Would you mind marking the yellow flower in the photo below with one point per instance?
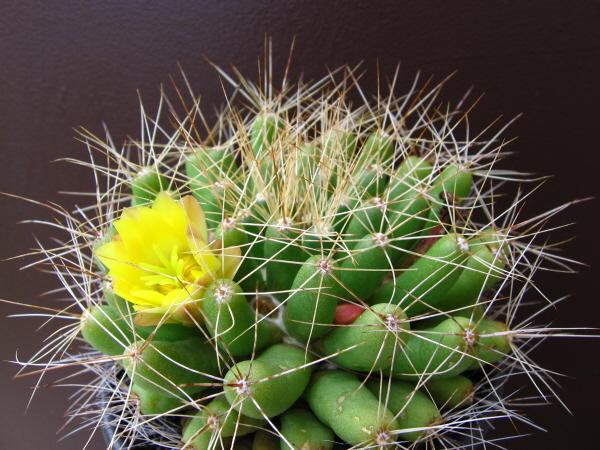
(160, 259)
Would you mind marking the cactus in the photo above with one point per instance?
(213, 422)
(354, 413)
(270, 384)
(413, 408)
(448, 393)
(302, 430)
(308, 273)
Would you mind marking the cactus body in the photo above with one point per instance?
(270, 384)
(483, 269)
(423, 285)
(176, 368)
(352, 411)
(301, 232)
(232, 322)
(264, 440)
(216, 421)
(441, 351)
(303, 431)
(146, 185)
(494, 341)
(370, 341)
(156, 402)
(449, 393)
(367, 266)
(413, 407)
(310, 307)
(106, 329)
(283, 255)
(210, 173)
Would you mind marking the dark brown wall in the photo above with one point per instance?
(70, 63)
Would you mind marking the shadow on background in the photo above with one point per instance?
(78, 63)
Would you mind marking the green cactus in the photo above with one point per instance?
(422, 287)
(387, 246)
(211, 174)
(413, 408)
(321, 275)
(107, 329)
(370, 342)
(182, 367)
(310, 307)
(354, 413)
(146, 184)
(301, 429)
(153, 401)
(232, 322)
(449, 393)
(269, 384)
(216, 421)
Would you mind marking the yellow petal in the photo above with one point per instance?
(230, 261)
(174, 297)
(108, 253)
(195, 218)
(147, 297)
(204, 256)
(150, 317)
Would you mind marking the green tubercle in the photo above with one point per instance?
(107, 329)
(303, 431)
(310, 306)
(269, 384)
(413, 408)
(353, 412)
(370, 342)
(146, 185)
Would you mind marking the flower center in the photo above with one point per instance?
(172, 272)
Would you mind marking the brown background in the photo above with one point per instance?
(70, 63)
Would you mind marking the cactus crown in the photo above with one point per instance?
(318, 267)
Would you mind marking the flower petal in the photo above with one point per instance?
(230, 261)
(195, 217)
